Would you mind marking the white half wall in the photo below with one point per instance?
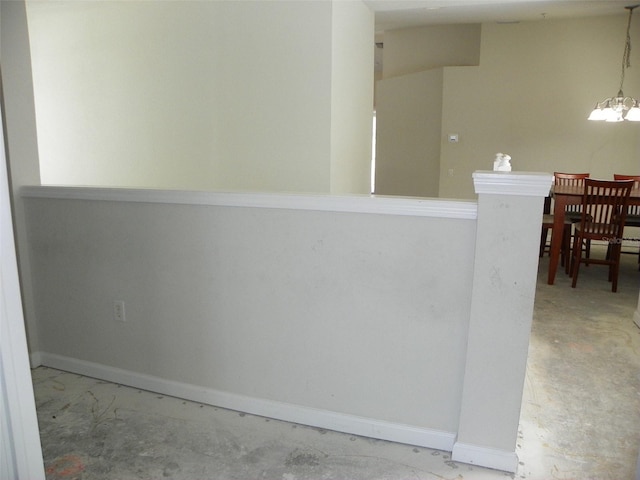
(349, 312)
(367, 315)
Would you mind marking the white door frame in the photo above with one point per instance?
(20, 449)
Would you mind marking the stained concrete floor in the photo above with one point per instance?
(580, 413)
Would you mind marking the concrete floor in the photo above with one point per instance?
(580, 413)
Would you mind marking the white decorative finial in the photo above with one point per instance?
(502, 163)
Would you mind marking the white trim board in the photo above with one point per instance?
(485, 457)
(413, 206)
(340, 422)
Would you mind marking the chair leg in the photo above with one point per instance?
(566, 245)
(615, 253)
(543, 240)
(575, 264)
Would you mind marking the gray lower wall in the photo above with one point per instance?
(355, 313)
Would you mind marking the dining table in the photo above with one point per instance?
(564, 195)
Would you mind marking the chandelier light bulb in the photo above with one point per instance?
(633, 115)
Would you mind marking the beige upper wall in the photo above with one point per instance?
(194, 95)
(352, 97)
(409, 104)
(530, 97)
(413, 50)
(409, 114)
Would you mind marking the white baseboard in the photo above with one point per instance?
(485, 457)
(314, 417)
(35, 359)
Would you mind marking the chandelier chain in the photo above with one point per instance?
(626, 56)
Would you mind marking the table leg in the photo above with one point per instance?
(560, 203)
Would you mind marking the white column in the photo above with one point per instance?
(507, 240)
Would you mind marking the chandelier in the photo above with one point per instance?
(619, 108)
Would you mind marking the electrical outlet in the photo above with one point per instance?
(118, 311)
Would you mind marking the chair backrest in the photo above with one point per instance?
(633, 209)
(573, 179)
(604, 206)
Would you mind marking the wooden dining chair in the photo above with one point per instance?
(573, 212)
(565, 246)
(633, 212)
(572, 215)
(575, 180)
(604, 210)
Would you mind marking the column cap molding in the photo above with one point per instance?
(536, 184)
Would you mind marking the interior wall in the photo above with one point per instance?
(408, 116)
(530, 97)
(412, 50)
(409, 104)
(351, 97)
(189, 95)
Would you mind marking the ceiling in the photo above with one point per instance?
(393, 14)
